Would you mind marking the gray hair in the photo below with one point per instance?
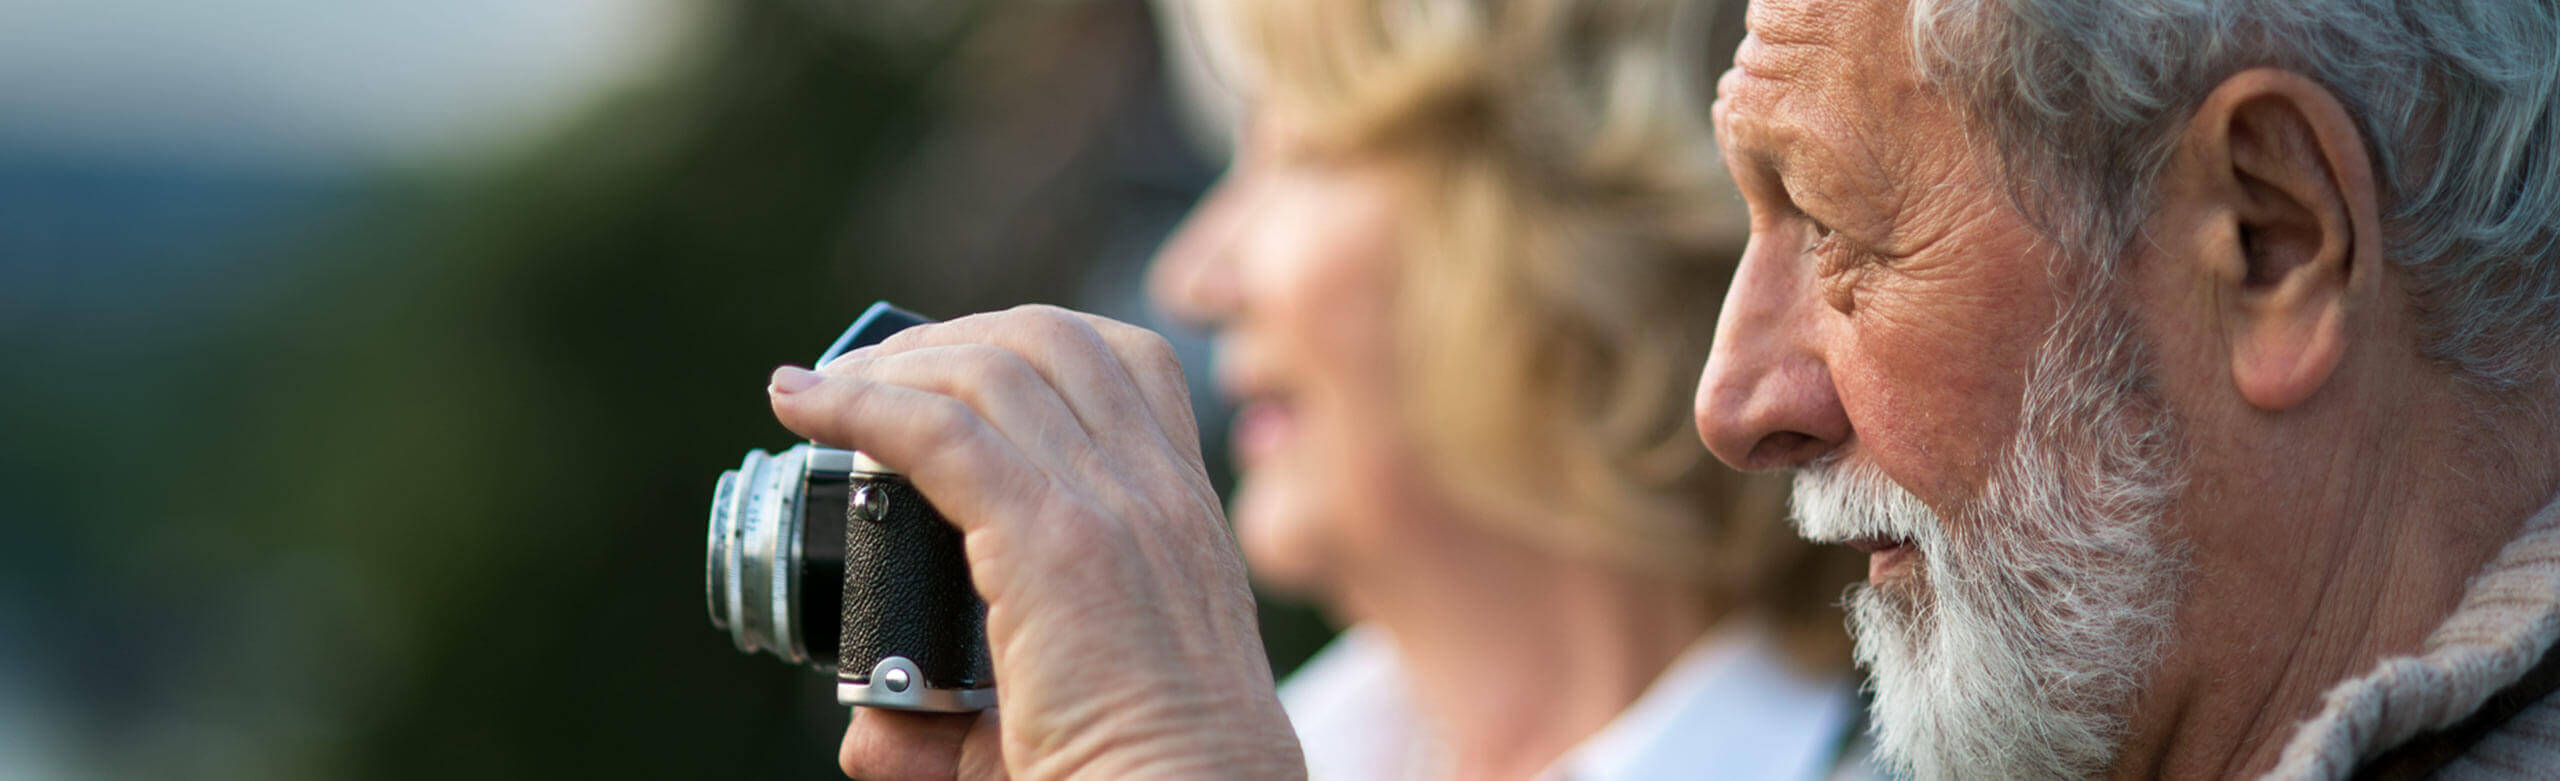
(2458, 100)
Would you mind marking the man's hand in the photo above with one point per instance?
(1062, 445)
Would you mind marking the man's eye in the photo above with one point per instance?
(1831, 253)
(1827, 244)
(1822, 237)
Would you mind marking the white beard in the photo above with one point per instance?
(2015, 647)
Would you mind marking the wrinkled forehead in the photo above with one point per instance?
(1794, 39)
(1818, 62)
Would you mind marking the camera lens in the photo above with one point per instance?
(773, 565)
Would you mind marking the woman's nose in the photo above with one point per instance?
(1766, 399)
(1193, 278)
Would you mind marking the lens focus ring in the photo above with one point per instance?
(753, 546)
(715, 566)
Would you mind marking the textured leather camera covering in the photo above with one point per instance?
(907, 593)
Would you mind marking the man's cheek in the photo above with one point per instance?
(1926, 418)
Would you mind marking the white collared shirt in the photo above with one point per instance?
(1729, 707)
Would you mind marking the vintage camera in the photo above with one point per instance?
(831, 560)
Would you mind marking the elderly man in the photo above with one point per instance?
(2185, 367)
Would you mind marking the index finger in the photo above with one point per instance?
(954, 456)
(1140, 377)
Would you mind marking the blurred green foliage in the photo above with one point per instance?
(432, 506)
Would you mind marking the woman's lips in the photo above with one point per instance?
(1261, 428)
(1886, 556)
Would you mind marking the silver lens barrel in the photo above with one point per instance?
(753, 559)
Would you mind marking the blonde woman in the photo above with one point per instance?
(1462, 272)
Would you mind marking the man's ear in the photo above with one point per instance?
(2292, 191)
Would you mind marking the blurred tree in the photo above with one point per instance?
(587, 347)
(435, 509)
(432, 505)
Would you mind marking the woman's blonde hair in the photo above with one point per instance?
(1562, 272)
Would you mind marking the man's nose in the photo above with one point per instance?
(1193, 277)
(1766, 399)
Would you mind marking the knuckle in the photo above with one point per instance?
(1142, 346)
(1011, 366)
(1113, 331)
(1054, 327)
(1044, 312)
(982, 373)
(1152, 350)
(944, 421)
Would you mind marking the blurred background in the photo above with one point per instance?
(365, 368)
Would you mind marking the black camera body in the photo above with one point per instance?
(832, 560)
(913, 630)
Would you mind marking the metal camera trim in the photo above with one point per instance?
(862, 463)
(727, 554)
(782, 548)
(754, 556)
(885, 689)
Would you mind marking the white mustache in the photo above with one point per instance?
(1838, 501)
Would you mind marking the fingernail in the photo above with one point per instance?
(793, 379)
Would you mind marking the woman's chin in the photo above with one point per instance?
(1280, 549)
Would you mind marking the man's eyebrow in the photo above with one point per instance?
(1761, 148)
(1783, 161)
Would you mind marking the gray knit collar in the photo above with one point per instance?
(2510, 614)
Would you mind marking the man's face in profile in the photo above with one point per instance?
(1986, 428)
